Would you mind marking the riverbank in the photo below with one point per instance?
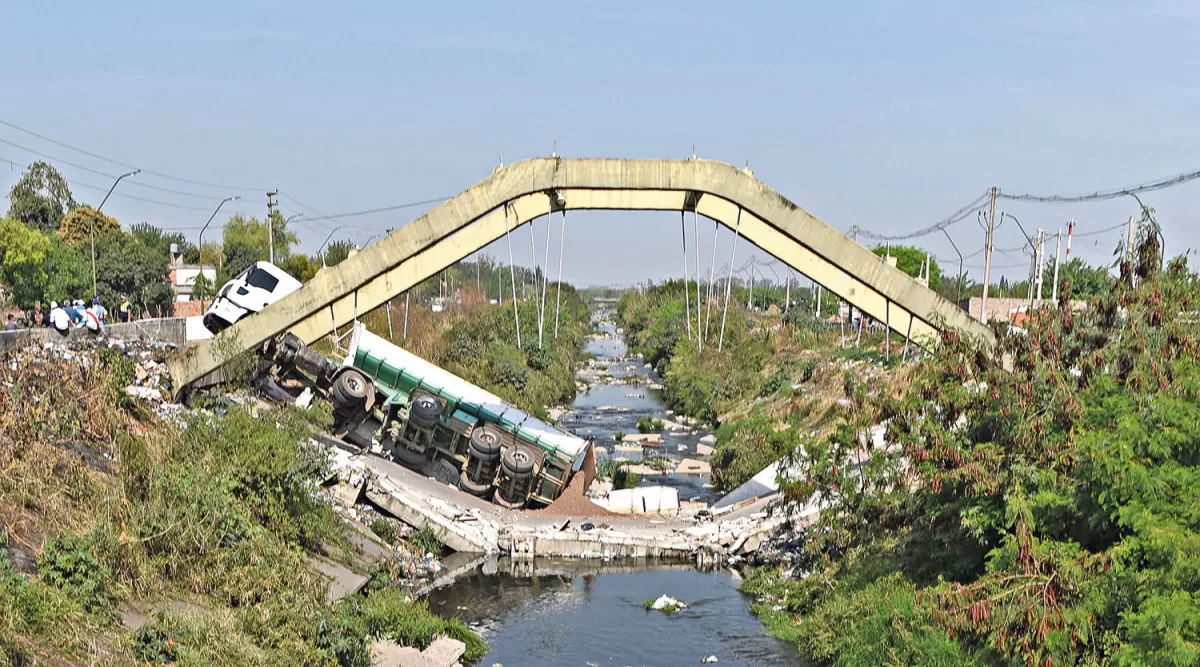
(140, 532)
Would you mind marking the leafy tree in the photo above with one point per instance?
(23, 268)
(203, 289)
(69, 270)
(246, 241)
(911, 260)
(337, 251)
(1083, 280)
(154, 237)
(40, 198)
(76, 227)
(300, 266)
(126, 265)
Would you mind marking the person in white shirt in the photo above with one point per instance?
(59, 318)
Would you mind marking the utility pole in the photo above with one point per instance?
(987, 264)
(271, 225)
(1040, 257)
(1057, 251)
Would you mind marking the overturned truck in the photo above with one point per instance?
(397, 405)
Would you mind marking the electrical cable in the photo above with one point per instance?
(954, 218)
(89, 186)
(124, 164)
(1161, 184)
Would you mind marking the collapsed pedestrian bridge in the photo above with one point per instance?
(518, 193)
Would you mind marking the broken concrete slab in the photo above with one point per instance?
(710, 440)
(342, 581)
(644, 438)
(704, 450)
(693, 468)
(445, 652)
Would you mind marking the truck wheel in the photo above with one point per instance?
(350, 388)
(472, 488)
(424, 411)
(519, 505)
(517, 462)
(409, 458)
(485, 443)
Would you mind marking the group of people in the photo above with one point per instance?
(70, 314)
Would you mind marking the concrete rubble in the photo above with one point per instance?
(443, 652)
(630, 523)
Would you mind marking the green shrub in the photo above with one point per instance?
(426, 541)
(384, 530)
(390, 615)
(623, 479)
(649, 424)
(774, 382)
(73, 564)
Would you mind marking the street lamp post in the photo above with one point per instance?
(200, 241)
(92, 226)
(335, 230)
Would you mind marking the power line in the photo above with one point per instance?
(956, 217)
(81, 184)
(1102, 231)
(1161, 184)
(382, 209)
(106, 174)
(124, 164)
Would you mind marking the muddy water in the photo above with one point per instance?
(590, 612)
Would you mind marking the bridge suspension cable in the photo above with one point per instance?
(687, 301)
(512, 272)
(729, 279)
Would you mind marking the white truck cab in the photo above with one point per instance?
(260, 285)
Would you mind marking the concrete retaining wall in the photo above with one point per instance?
(170, 330)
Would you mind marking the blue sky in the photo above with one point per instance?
(882, 114)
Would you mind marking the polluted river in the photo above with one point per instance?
(590, 611)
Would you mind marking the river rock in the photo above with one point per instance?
(704, 450)
(709, 440)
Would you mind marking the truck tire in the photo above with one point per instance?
(424, 411)
(408, 458)
(350, 388)
(472, 488)
(520, 505)
(485, 443)
(517, 462)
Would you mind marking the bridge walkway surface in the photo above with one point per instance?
(518, 193)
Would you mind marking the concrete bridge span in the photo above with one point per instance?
(518, 193)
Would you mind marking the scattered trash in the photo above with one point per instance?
(709, 660)
(665, 603)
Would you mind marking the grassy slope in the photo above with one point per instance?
(105, 508)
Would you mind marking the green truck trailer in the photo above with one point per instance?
(400, 406)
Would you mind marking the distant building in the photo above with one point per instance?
(183, 276)
(1009, 309)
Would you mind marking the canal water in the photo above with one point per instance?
(557, 613)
